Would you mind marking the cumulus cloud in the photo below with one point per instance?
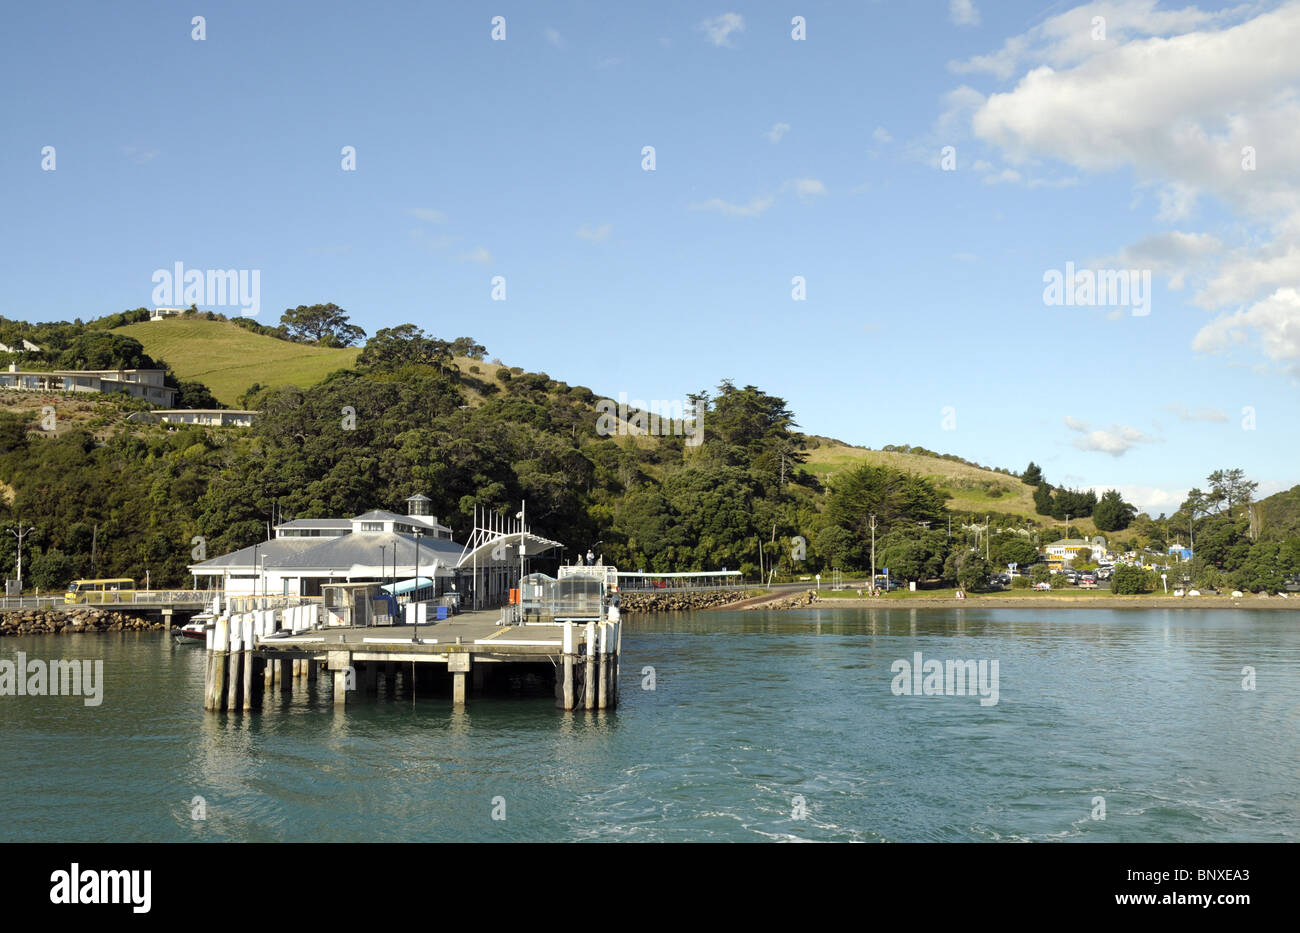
(776, 132)
(804, 188)
(1274, 324)
(807, 187)
(476, 255)
(1116, 440)
(554, 38)
(718, 29)
(1174, 255)
(881, 135)
(1150, 499)
(963, 13)
(757, 205)
(1200, 106)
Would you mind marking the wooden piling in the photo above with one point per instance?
(233, 663)
(247, 664)
(458, 689)
(602, 692)
(312, 668)
(285, 675)
(220, 650)
(589, 677)
(567, 700)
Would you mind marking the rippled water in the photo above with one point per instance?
(750, 712)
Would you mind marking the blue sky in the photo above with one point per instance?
(924, 321)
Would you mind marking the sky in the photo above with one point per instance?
(859, 208)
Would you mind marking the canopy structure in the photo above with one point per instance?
(403, 587)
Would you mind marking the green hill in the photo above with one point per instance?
(969, 488)
(228, 359)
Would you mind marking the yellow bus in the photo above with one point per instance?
(115, 590)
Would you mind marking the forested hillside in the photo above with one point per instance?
(414, 414)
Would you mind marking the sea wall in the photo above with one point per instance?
(58, 621)
(676, 602)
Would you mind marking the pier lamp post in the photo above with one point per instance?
(415, 616)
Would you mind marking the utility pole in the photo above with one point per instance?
(986, 537)
(20, 534)
(873, 553)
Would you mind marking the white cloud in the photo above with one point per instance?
(477, 255)
(1150, 499)
(594, 235)
(428, 214)
(776, 132)
(1116, 441)
(1182, 100)
(718, 29)
(757, 205)
(1274, 323)
(554, 38)
(1175, 254)
(881, 135)
(808, 187)
(963, 13)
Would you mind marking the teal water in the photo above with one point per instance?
(749, 712)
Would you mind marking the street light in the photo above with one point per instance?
(415, 614)
(20, 534)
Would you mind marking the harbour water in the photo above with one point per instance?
(760, 726)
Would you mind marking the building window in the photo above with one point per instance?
(372, 526)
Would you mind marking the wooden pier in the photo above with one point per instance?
(253, 652)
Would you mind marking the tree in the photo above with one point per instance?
(1012, 549)
(326, 324)
(1033, 474)
(195, 395)
(1229, 488)
(1040, 573)
(974, 572)
(1128, 580)
(1043, 504)
(468, 346)
(1112, 512)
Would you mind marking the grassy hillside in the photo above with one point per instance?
(969, 488)
(228, 359)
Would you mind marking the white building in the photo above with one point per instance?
(376, 546)
(162, 314)
(147, 384)
(1070, 548)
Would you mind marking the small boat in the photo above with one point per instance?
(195, 630)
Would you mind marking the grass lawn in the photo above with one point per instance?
(969, 488)
(228, 359)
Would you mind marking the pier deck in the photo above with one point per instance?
(247, 655)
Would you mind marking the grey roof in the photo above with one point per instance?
(318, 523)
(275, 551)
(419, 497)
(363, 550)
(380, 515)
